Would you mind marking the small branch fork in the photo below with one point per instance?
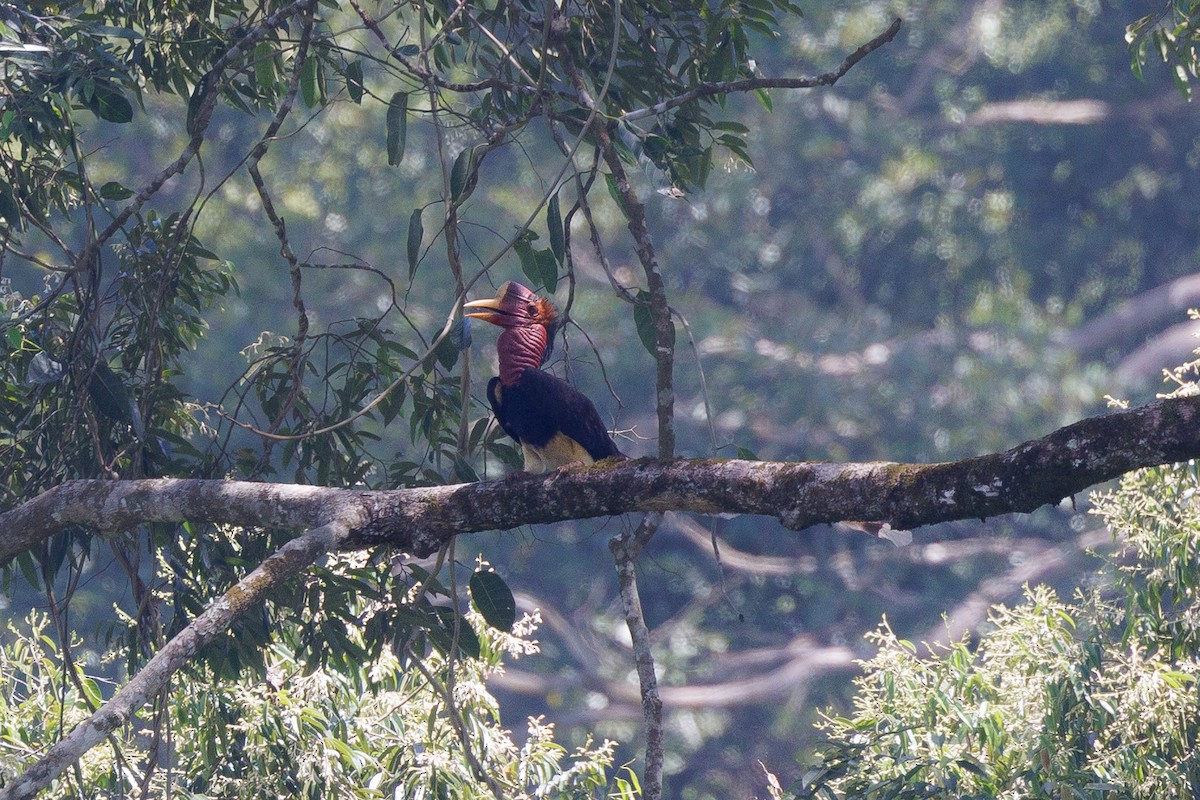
(626, 546)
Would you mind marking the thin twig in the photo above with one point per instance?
(285, 248)
(712, 88)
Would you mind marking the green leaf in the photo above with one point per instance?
(391, 404)
(443, 637)
(264, 66)
(110, 394)
(764, 99)
(29, 569)
(737, 146)
(554, 224)
(610, 181)
(354, 80)
(447, 352)
(643, 320)
(700, 166)
(460, 175)
(729, 125)
(194, 248)
(14, 337)
(110, 104)
(530, 265)
(1181, 81)
(416, 230)
(322, 92)
(463, 471)
(120, 33)
(460, 333)
(9, 209)
(493, 599)
(308, 81)
(92, 692)
(546, 266)
(115, 191)
(540, 266)
(397, 127)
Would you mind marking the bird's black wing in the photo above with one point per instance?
(495, 395)
(540, 406)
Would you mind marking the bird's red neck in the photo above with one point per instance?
(520, 349)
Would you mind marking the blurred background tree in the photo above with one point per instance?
(227, 221)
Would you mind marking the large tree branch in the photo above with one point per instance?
(1079, 111)
(799, 494)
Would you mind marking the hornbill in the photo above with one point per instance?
(554, 423)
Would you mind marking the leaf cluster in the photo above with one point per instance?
(1172, 34)
(1093, 698)
(374, 731)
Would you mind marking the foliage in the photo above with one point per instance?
(1092, 698)
(380, 730)
(1174, 34)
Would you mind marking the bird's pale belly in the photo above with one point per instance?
(558, 452)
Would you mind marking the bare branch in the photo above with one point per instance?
(285, 246)
(635, 216)
(625, 549)
(1139, 369)
(795, 666)
(1079, 111)
(1052, 563)
(1041, 112)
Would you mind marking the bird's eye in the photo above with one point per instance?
(531, 310)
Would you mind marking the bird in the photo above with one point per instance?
(554, 423)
